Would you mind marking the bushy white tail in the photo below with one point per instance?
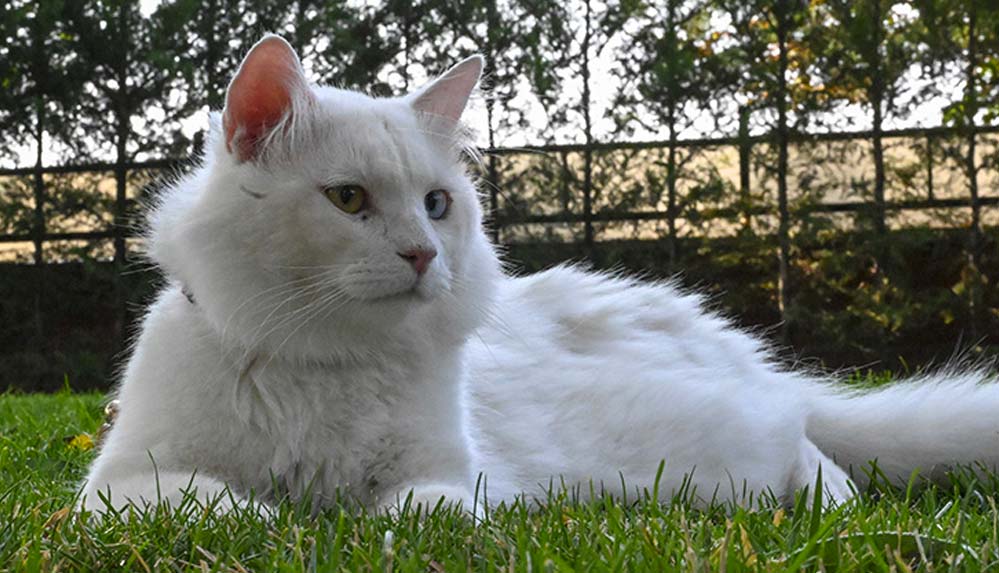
(926, 424)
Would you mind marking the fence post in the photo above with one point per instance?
(120, 254)
(38, 233)
(745, 148)
(929, 167)
(492, 173)
(671, 203)
(494, 199)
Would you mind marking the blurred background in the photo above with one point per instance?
(826, 170)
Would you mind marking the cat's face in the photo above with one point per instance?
(335, 215)
(381, 207)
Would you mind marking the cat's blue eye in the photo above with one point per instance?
(437, 203)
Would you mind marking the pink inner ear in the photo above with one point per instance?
(260, 95)
(448, 95)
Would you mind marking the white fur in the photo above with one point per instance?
(592, 378)
(315, 359)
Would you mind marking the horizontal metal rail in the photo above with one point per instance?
(598, 216)
(797, 137)
(840, 207)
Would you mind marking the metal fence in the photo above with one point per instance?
(519, 212)
(656, 191)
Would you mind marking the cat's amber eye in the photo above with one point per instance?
(437, 203)
(349, 198)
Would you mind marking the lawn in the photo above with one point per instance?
(928, 529)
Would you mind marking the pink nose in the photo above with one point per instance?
(419, 258)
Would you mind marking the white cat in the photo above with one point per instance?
(337, 320)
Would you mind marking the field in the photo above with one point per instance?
(919, 529)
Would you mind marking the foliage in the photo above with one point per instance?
(40, 76)
(106, 81)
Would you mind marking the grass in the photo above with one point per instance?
(932, 529)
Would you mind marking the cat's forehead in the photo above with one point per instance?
(383, 138)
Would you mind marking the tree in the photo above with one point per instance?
(585, 31)
(868, 50)
(675, 71)
(40, 80)
(777, 46)
(133, 69)
(964, 35)
(517, 39)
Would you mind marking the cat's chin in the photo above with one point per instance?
(412, 297)
(411, 294)
(417, 293)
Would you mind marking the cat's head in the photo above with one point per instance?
(327, 221)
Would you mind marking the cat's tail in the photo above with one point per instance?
(927, 424)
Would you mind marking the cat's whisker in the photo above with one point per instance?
(502, 193)
(328, 267)
(276, 320)
(259, 335)
(489, 312)
(314, 291)
(278, 291)
(316, 311)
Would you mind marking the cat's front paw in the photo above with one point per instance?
(427, 497)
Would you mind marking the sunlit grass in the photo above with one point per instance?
(932, 529)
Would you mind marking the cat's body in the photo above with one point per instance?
(338, 321)
(599, 378)
(593, 379)
(260, 421)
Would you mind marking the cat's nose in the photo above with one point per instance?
(419, 258)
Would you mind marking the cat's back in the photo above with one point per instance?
(583, 374)
(570, 313)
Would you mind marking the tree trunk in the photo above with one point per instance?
(671, 105)
(877, 96)
(40, 71)
(214, 95)
(975, 232)
(877, 145)
(784, 222)
(745, 148)
(492, 25)
(588, 133)
(121, 175)
(671, 199)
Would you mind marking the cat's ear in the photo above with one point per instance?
(261, 96)
(448, 95)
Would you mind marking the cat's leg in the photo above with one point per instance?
(836, 483)
(427, 460)
(431, 469)
(125, 476)
(427, 496)
(149, 489)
